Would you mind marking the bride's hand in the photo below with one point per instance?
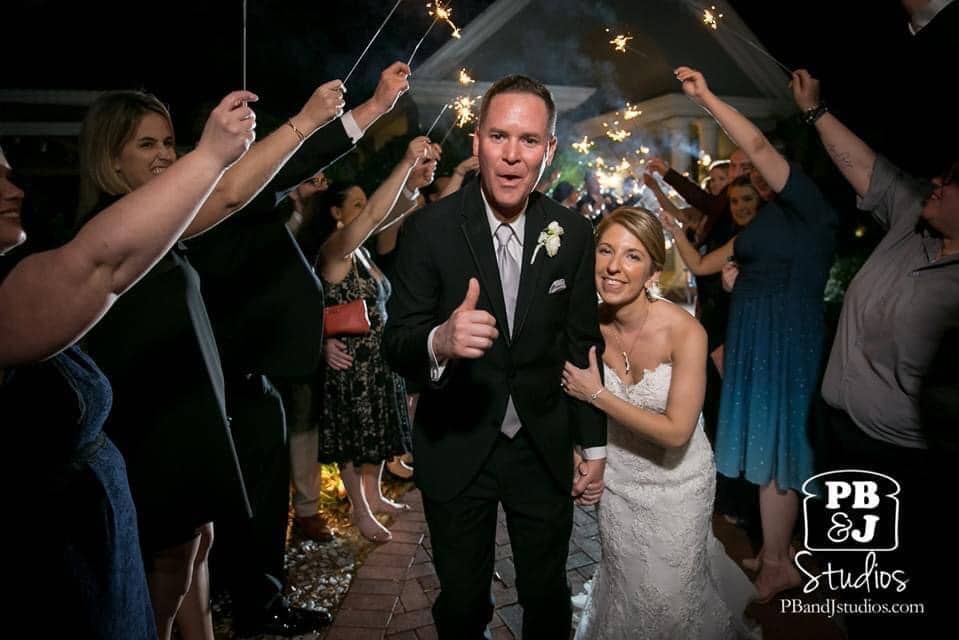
(582, 383)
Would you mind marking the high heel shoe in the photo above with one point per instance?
(371, 529)
(397, 468)
(388, 507)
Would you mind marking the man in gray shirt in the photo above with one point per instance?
(897, 314)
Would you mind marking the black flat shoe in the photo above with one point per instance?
(284, 620)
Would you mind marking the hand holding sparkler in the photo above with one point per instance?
(805, 90)
(694, 84)
(424, 170)
(394, 82)
(324, 105)
(657, 165)
(419, 148)
(464, 167)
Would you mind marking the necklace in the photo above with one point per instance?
(632, 346)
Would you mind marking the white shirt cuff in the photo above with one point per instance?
(436, 369)
(352, 129)
(594, 453)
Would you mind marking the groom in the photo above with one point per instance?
(492, 291)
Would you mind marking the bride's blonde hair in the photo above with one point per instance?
(645, 226)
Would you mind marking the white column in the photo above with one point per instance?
(680, 157)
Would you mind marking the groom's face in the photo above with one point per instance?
(514, 146)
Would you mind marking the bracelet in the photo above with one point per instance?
(593, 396)
(299, 134)
(811, 115)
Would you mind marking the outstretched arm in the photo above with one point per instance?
(853, 157)
(345, 241)
(700, 265)
(747, 136)
(52, 298)
(689, 215)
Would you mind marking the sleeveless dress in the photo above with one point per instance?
(774, 338)
(663, 575)
(84, 529)
(364, 419)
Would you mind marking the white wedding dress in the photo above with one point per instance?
(663, 574)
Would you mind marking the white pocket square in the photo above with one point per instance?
(557, 286)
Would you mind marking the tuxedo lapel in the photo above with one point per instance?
(479, 239)
(529, 280)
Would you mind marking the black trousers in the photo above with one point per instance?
(249, 552)
(926, 551)
(539, 517)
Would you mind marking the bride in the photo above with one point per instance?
(663, 574)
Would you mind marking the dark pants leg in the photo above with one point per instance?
(923, 553)
(539, 516)
(249, 552)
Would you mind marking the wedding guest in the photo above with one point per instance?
(364, 418)
(158, 343)
(773, 339)
(54, 399)
(898, 314)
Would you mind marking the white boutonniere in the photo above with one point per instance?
(549, 238)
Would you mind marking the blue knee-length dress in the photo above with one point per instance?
(774, 337)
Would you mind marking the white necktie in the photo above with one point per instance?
(509, 272)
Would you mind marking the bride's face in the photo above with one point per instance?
(623, 266)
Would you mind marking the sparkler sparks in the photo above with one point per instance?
(584, 145)
(465, 79)
(444, 13)
(711, 17)
(620, 42)
(631, 112)
(463, 107)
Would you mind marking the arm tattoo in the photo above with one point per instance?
(842, 158)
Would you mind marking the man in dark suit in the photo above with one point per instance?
(493, 292)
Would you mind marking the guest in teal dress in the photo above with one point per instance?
(774, 336)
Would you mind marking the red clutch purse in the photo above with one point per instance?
(348, 319)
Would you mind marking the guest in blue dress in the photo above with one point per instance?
(774, 336)
(53, 399)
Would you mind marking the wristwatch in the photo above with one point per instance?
(810, 116)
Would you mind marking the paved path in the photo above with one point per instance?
(392, 592)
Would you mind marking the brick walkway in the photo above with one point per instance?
(392, 592)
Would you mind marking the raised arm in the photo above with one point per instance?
(422, 174)
(248, 176)
(708, 204)
(689, 215)
(853, 157)
(338, 247)
(459, 174)
(52, 298)
(700, 265)
(747, 136)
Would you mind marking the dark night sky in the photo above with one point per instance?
(189, 53)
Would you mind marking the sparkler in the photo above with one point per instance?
(712, 18)
(244, 45)
(616, 135)
(438, 116)
(465, 79)
(370, 43)
(443, 12)
(621, 43)
(631, 112)
(463, 106)
(417, 47)
(584, 145)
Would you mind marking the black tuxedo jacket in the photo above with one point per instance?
(264, 300)
(458, 419)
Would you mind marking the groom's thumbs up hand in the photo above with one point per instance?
(468, 333)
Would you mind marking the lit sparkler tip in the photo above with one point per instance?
(464, 78)
(711, 17)
(583, 146)
(631, 112)
(620, 42)
(617, 135)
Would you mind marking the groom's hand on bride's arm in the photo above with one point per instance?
(467, 333)
(588, 481)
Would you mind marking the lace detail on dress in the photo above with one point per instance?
(663, 574)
